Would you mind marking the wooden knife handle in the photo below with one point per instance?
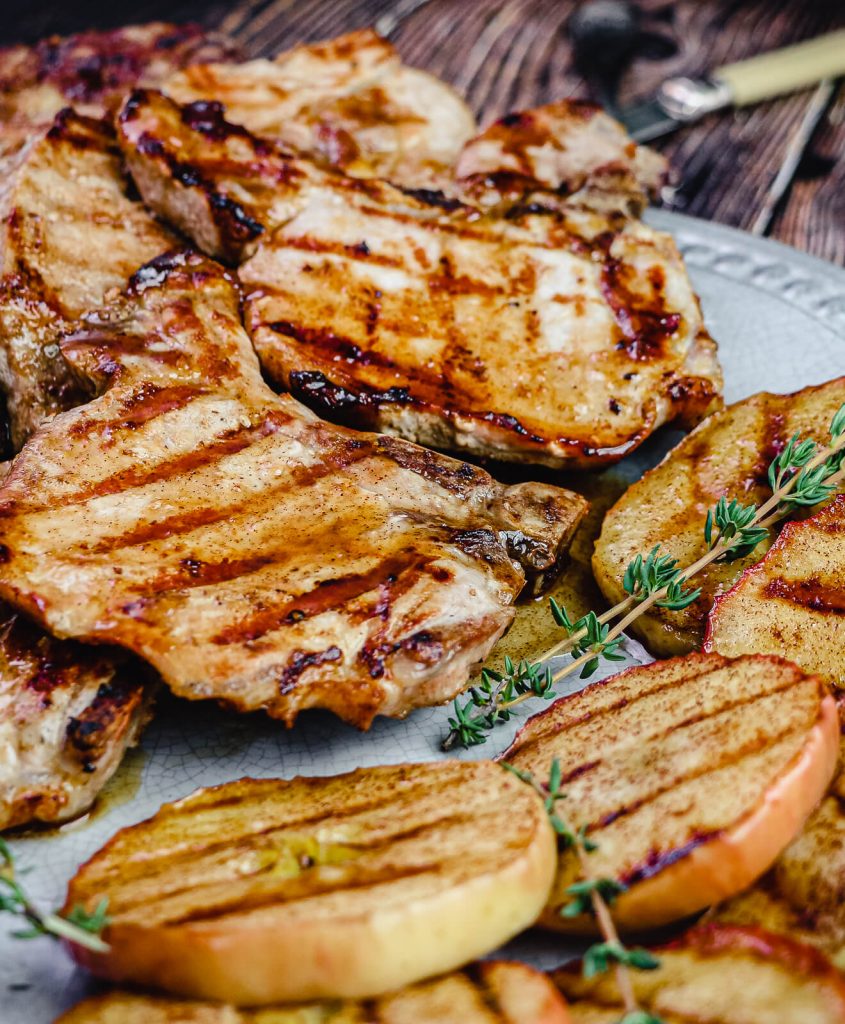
(787, 70)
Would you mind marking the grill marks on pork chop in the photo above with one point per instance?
(69, 232)
(566, 336)
(249, 551)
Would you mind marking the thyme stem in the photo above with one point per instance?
(740, 534)
(79, 927)
(552, 795)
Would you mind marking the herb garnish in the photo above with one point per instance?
(78, 926)
(802, 475)
(594, 896)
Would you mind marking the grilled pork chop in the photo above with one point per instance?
(349, 103)
(727, 455)
(562, 338)
(93, 71)
(67, 714)
(791, 603)
(70, 237)
(571, 149)
(251, 552)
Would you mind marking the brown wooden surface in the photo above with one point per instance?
(506, 54)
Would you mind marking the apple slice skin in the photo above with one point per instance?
(721, 974)
(702, 866)
(792, 602)
(418, 869)
(491, 992)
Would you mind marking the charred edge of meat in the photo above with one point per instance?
(526, 118)
(233, 220)
(434, 197)
(341, 404)
(530, 553)
(82, 132)
(505, 421)
(89, 734)
(450, 474)
(155, 273)
(481, 544)
(207, 118)
(303, 660)
(424, 647)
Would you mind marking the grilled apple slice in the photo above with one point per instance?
(726, 455)
(802, 895)
(364, 882)
(793, 602)
(495, 992)
(691, 775)
(719, 974)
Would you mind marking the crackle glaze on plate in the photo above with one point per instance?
(779, 318)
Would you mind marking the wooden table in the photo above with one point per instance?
(507, 54)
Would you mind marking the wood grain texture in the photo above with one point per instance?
(506, 54)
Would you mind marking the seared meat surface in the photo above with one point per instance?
(562, 336)
(69, 237)
(249, 551)
(93, 71)
(570, 151)
(67, 714)
(726, 456)
(349, 103)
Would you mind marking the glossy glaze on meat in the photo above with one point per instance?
(555, 335)
(251, 552)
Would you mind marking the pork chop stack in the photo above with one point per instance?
(70, 235)
(557, 334)
(495, 294)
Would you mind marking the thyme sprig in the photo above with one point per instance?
(78, 926)
(801, 475)
(594, 895)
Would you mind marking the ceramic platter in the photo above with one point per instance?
(779, 318)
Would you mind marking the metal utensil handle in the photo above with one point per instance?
(795, 67)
